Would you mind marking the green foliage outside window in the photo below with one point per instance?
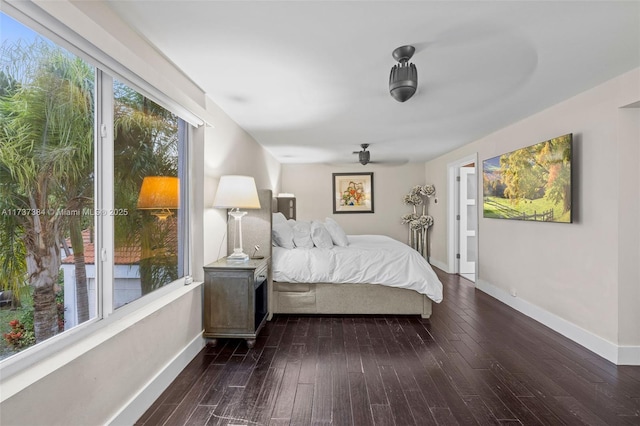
(46, 168)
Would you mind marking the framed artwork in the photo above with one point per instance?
(353, 192)
(531, 183)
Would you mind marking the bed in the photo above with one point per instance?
(373, 275)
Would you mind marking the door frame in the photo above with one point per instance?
(453, 209)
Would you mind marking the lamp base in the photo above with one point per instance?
(238, 257)
(238, 254)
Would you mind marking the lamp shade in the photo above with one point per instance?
(237, 192)
(159, 192)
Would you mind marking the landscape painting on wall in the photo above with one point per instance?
(532, 183)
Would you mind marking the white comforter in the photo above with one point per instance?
(373, 259)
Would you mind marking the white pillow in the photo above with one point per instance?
(279, 218)
(302, 235)
(282, 235)
(320, 236)
(338, 236)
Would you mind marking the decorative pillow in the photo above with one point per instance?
(302, 235)
(279, 218)
(338, 236)
(282, 235)
(320, 236)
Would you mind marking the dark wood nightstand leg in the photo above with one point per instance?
(251, 343)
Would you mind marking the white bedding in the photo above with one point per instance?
(373, 259)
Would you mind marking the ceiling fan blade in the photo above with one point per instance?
(392, 163)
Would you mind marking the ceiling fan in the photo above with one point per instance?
(364, 156)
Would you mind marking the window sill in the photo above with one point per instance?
(27, 367)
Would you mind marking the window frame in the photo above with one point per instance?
(81, 335)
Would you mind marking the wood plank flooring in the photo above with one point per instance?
(475, 361)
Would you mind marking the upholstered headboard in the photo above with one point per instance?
(256, 227)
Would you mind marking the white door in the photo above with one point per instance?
(468, 222)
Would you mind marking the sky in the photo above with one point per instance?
(12, 32)
(11, 29)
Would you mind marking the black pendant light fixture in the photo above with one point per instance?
(403, 80)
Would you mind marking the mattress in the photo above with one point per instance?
(371, 259)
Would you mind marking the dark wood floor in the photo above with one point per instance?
(476, 361)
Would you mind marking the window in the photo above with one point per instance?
(65, 216)
(147, 208)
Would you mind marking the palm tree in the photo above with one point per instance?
(46, 156)
(13, 256)
(46, 168)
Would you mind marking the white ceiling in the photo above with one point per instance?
(309, 79)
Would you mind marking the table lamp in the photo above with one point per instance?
(235, 193)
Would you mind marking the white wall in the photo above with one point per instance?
(583, 273)
(114, 374)
(312, 186)
(228, 149)
(629, 226)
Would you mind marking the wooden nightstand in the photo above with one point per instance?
(235, 299)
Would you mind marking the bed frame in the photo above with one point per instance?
(323, 298)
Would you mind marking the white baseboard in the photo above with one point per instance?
(620, 355)
(628, 355)
(147, 396)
